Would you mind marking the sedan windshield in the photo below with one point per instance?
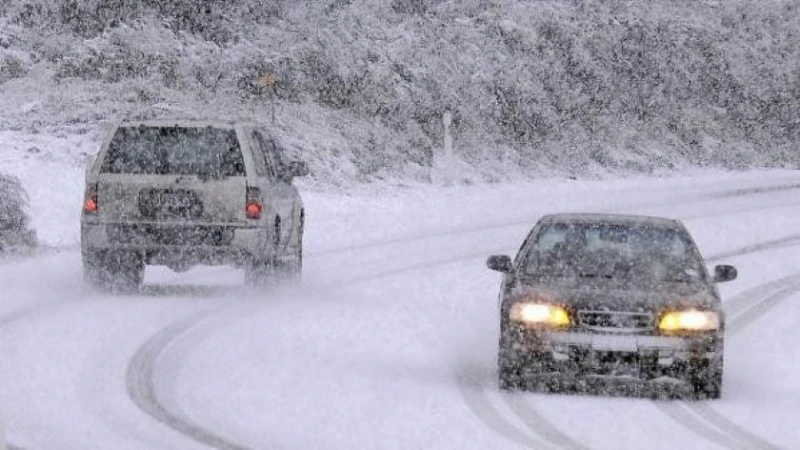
(631, 252)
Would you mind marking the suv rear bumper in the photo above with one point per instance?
(170, 244)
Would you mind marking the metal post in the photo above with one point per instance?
(447, 119)
(269, 81)
(274, 92)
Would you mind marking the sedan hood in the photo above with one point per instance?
(614, 295)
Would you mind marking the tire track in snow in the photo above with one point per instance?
(140, 372)
(739, 434)
(682, 416)
(5, 445)
(530, 416)
(480, 405)
(32, 311)
(714, 426)
(8, 319)
(140, 384)
(44, 250)
(538, 423)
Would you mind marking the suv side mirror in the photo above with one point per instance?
(724, 273)
(500, 263)
(294, 169)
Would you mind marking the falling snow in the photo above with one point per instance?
(425, 136)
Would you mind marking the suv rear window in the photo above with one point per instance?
(205, 152)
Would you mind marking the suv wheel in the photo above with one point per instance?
(291, 270)
(258, 273)
(288, 271)
(115, 271)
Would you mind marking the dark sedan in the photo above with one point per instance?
(599, 300)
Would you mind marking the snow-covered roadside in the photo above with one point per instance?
(359, 360)
(50, 168)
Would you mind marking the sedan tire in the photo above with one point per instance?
(706, 380)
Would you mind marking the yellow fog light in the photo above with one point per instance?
(689, 320)
(539, 313)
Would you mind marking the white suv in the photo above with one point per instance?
(182, 194)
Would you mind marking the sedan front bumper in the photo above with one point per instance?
(578, 355)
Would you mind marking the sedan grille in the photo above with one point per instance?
(615, 321)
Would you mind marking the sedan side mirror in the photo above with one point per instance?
(724, 273)
(500, 263)
(294, 169)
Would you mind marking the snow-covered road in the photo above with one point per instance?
(391, 341)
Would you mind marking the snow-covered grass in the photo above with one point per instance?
(51, 170)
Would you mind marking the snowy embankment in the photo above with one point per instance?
(360, 88)
(50, 169)
(391, 341)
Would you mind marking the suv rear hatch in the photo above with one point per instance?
(172, 175)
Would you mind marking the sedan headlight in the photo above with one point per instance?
(540, 313)
(690, 320)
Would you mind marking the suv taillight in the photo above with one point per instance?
(90, 199)
(253, 206)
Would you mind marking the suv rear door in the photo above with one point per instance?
(278, 191)
(173, 174)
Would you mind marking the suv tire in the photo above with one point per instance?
(258, 273)
(291, 271)
(120, 271)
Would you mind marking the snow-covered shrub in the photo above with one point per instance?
(586, 84)
(14, 63)
(15, 228)
(11, 67)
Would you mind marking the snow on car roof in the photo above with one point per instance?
(186, 123)
(622, 219)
